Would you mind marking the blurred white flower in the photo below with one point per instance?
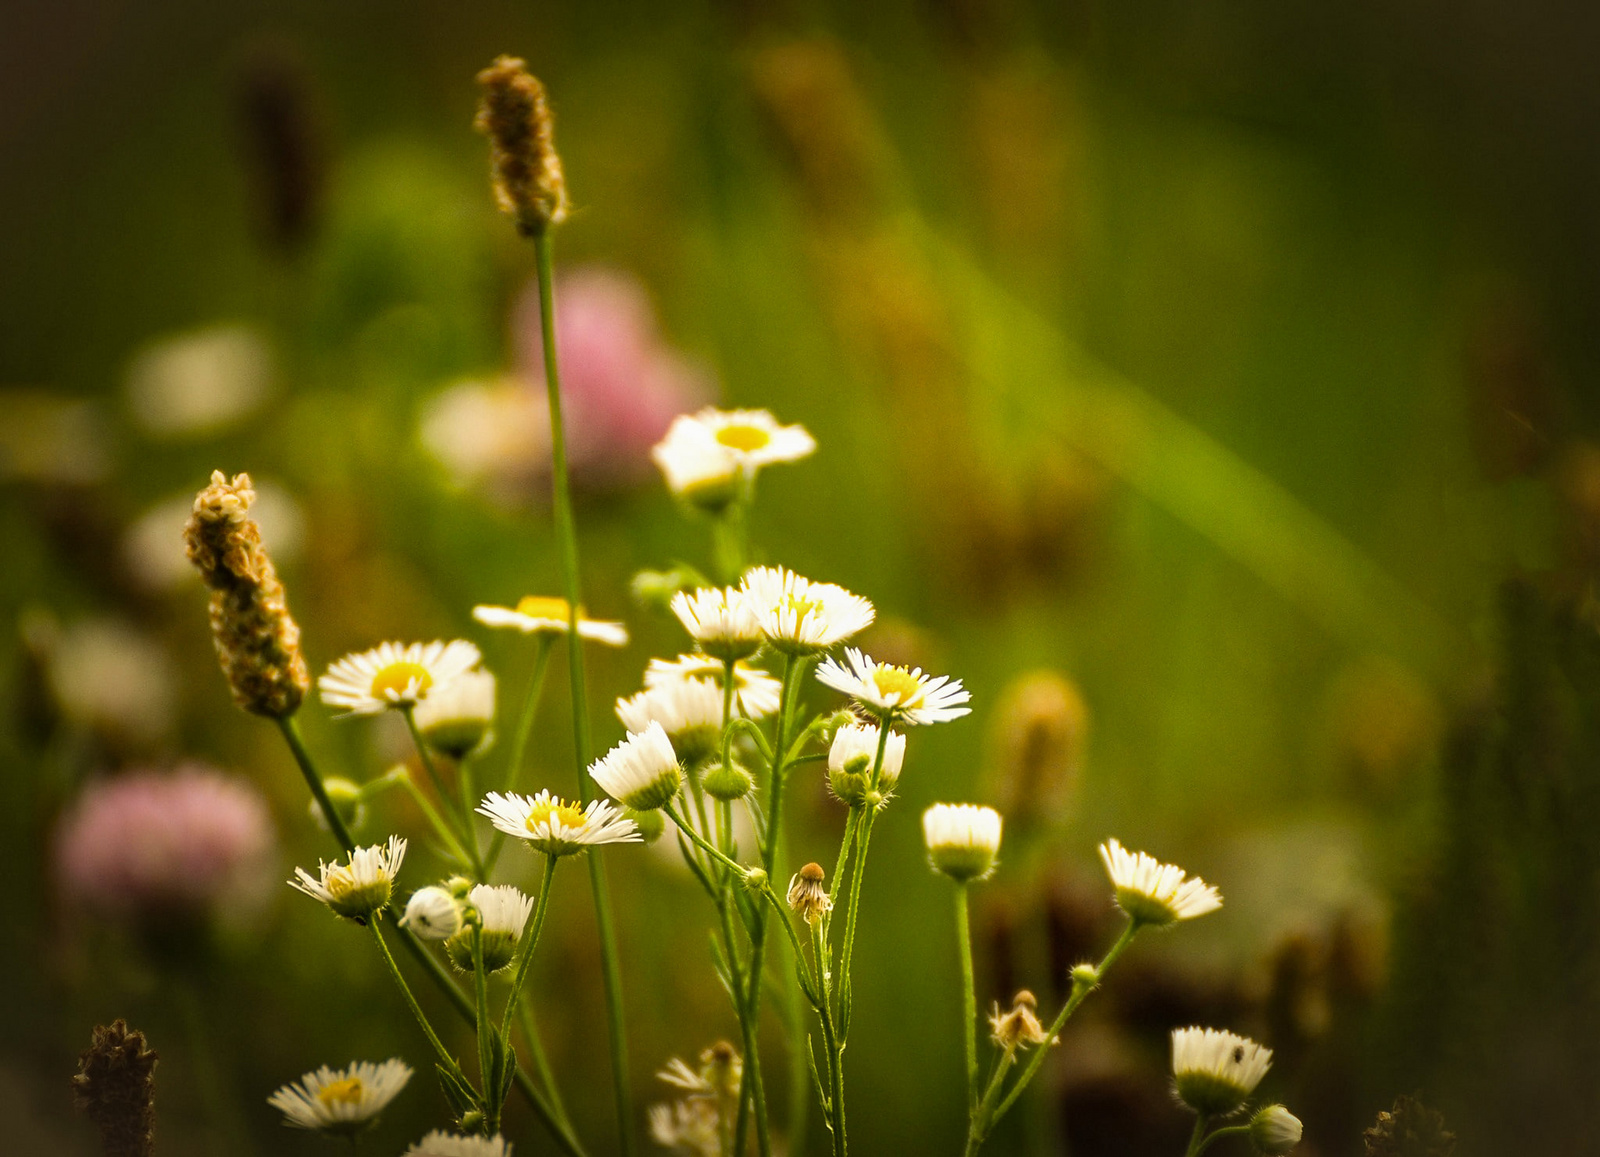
(341, 1101)
(108, 675)
(200, 382)
(45, 437)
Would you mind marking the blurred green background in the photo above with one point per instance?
(1232, 361)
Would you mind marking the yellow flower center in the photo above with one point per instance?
(745, 438)
(347, 1091)
(564, 813)
(400, 678)
(803, 606)
(340, 883)
(544, 607)
(897, 684)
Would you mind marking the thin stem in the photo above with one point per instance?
(700, 842)
(519, 742)
(1197, 1138)
(445, 1057)
(463, 817)
(752, 1090)
(1214, 1135)
(830, 1043)
(541, 1062)
(485, 1059)
(969, 1000)
(435, 820)
(525, 947)
(567, 534)
(302, 757)
(978, 1128)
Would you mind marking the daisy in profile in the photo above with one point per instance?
(441, 1144)
(457, 719)
(755, 693)
(341, 1101)
(722, 620)
(642, 771)
(1214, 1071)
(502, 914)
(359, 889)
(851, 757)
(555, 827)
(689, 711)
(963, 839)
(895, 694)
(546, 615)
(395, 675)
(1155, 893)
(705, 456)
(801, 617)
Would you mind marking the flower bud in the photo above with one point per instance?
(755, 879)
(1274, 1130)
(963, 839)
(727, 781)
(650, 823)
(347, 799)
(432, 914)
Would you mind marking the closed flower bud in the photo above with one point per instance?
(727, 781)
(755, 879)
(963, 839)
(1274, 1130)
(650, 823)
(852, 756)
(456, 718)
(497, 916)
(432, 914)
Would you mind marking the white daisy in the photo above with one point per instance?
(555, 827)
(898, 694)
(542, 614)
(704, 456)
(1215, 1071)
(341, 1100)
(963, 839)
(395, 675)
(850, 760)
(755, 692)
(1155, 893)
(432, 913)
(1275, 1131)
(457, 717)
(441, 1144)
(503, 912)
(643, 770)
(722, 620)
(360, 889)
(689, 711)
(800, 617)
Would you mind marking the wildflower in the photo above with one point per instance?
(456, 719)
(441, 1144)
(1274, 1130)
(1215, 1071)
(432, 913)
(755, 693)
(555, 827)
(706, 455)
(691, 1127)
(515, 115)
(963, 839)
(895, 694)
(1155, 893)
(642, 771)
(257, 641)
(547, 615)
(502, 914)
(1018, 1026)
(727, 781)
(115, 1088)
(851, 757)
(689, 711)
(395, 675)
(807, 896)
(360, 889)
(722, 620)
(157, 848)
(800, 617)
(341, 1101)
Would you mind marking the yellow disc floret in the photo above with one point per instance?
(744, 437)
(348, 1091)
(400, 679)
(897, 685)
(544, 607)
(566, 814)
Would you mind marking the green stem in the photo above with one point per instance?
(446, 797)
(480, 985)
(525, 947)
(969, 1005)
(445, 1057)
(541, 1062)
(435, 820)
(302, 757)
(519, 742)
(978, 1126)
(567, 534)
(752, 1090)
(831, 1047)
(1197, 1138)
(702, 843)
(1226, 1131)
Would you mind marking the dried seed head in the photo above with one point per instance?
(257, 641)
(807, 896)
(526, 170)
(115, 1088)
(1017, 1026)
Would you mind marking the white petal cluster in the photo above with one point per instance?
(689, 711)
(441, 1144)
(395, 675)
(902, 694)
(643, 770)
(432, 913)
(362, 887)
(802, 617)
(1155, 893)
(548, 615)
(1216, 1070)
(555, 827)
(341, 1100)
(722, 620)
(755, 693)
(851, 756)
(456, 717)
(502, 907)
(963, 839)
(704, 455)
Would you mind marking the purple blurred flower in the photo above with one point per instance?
(162, 847)
(621, 384)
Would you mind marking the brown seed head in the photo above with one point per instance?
(115, 1088)
(807, 896)
(257, 641)
(514, 114)
(1017, 1026)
